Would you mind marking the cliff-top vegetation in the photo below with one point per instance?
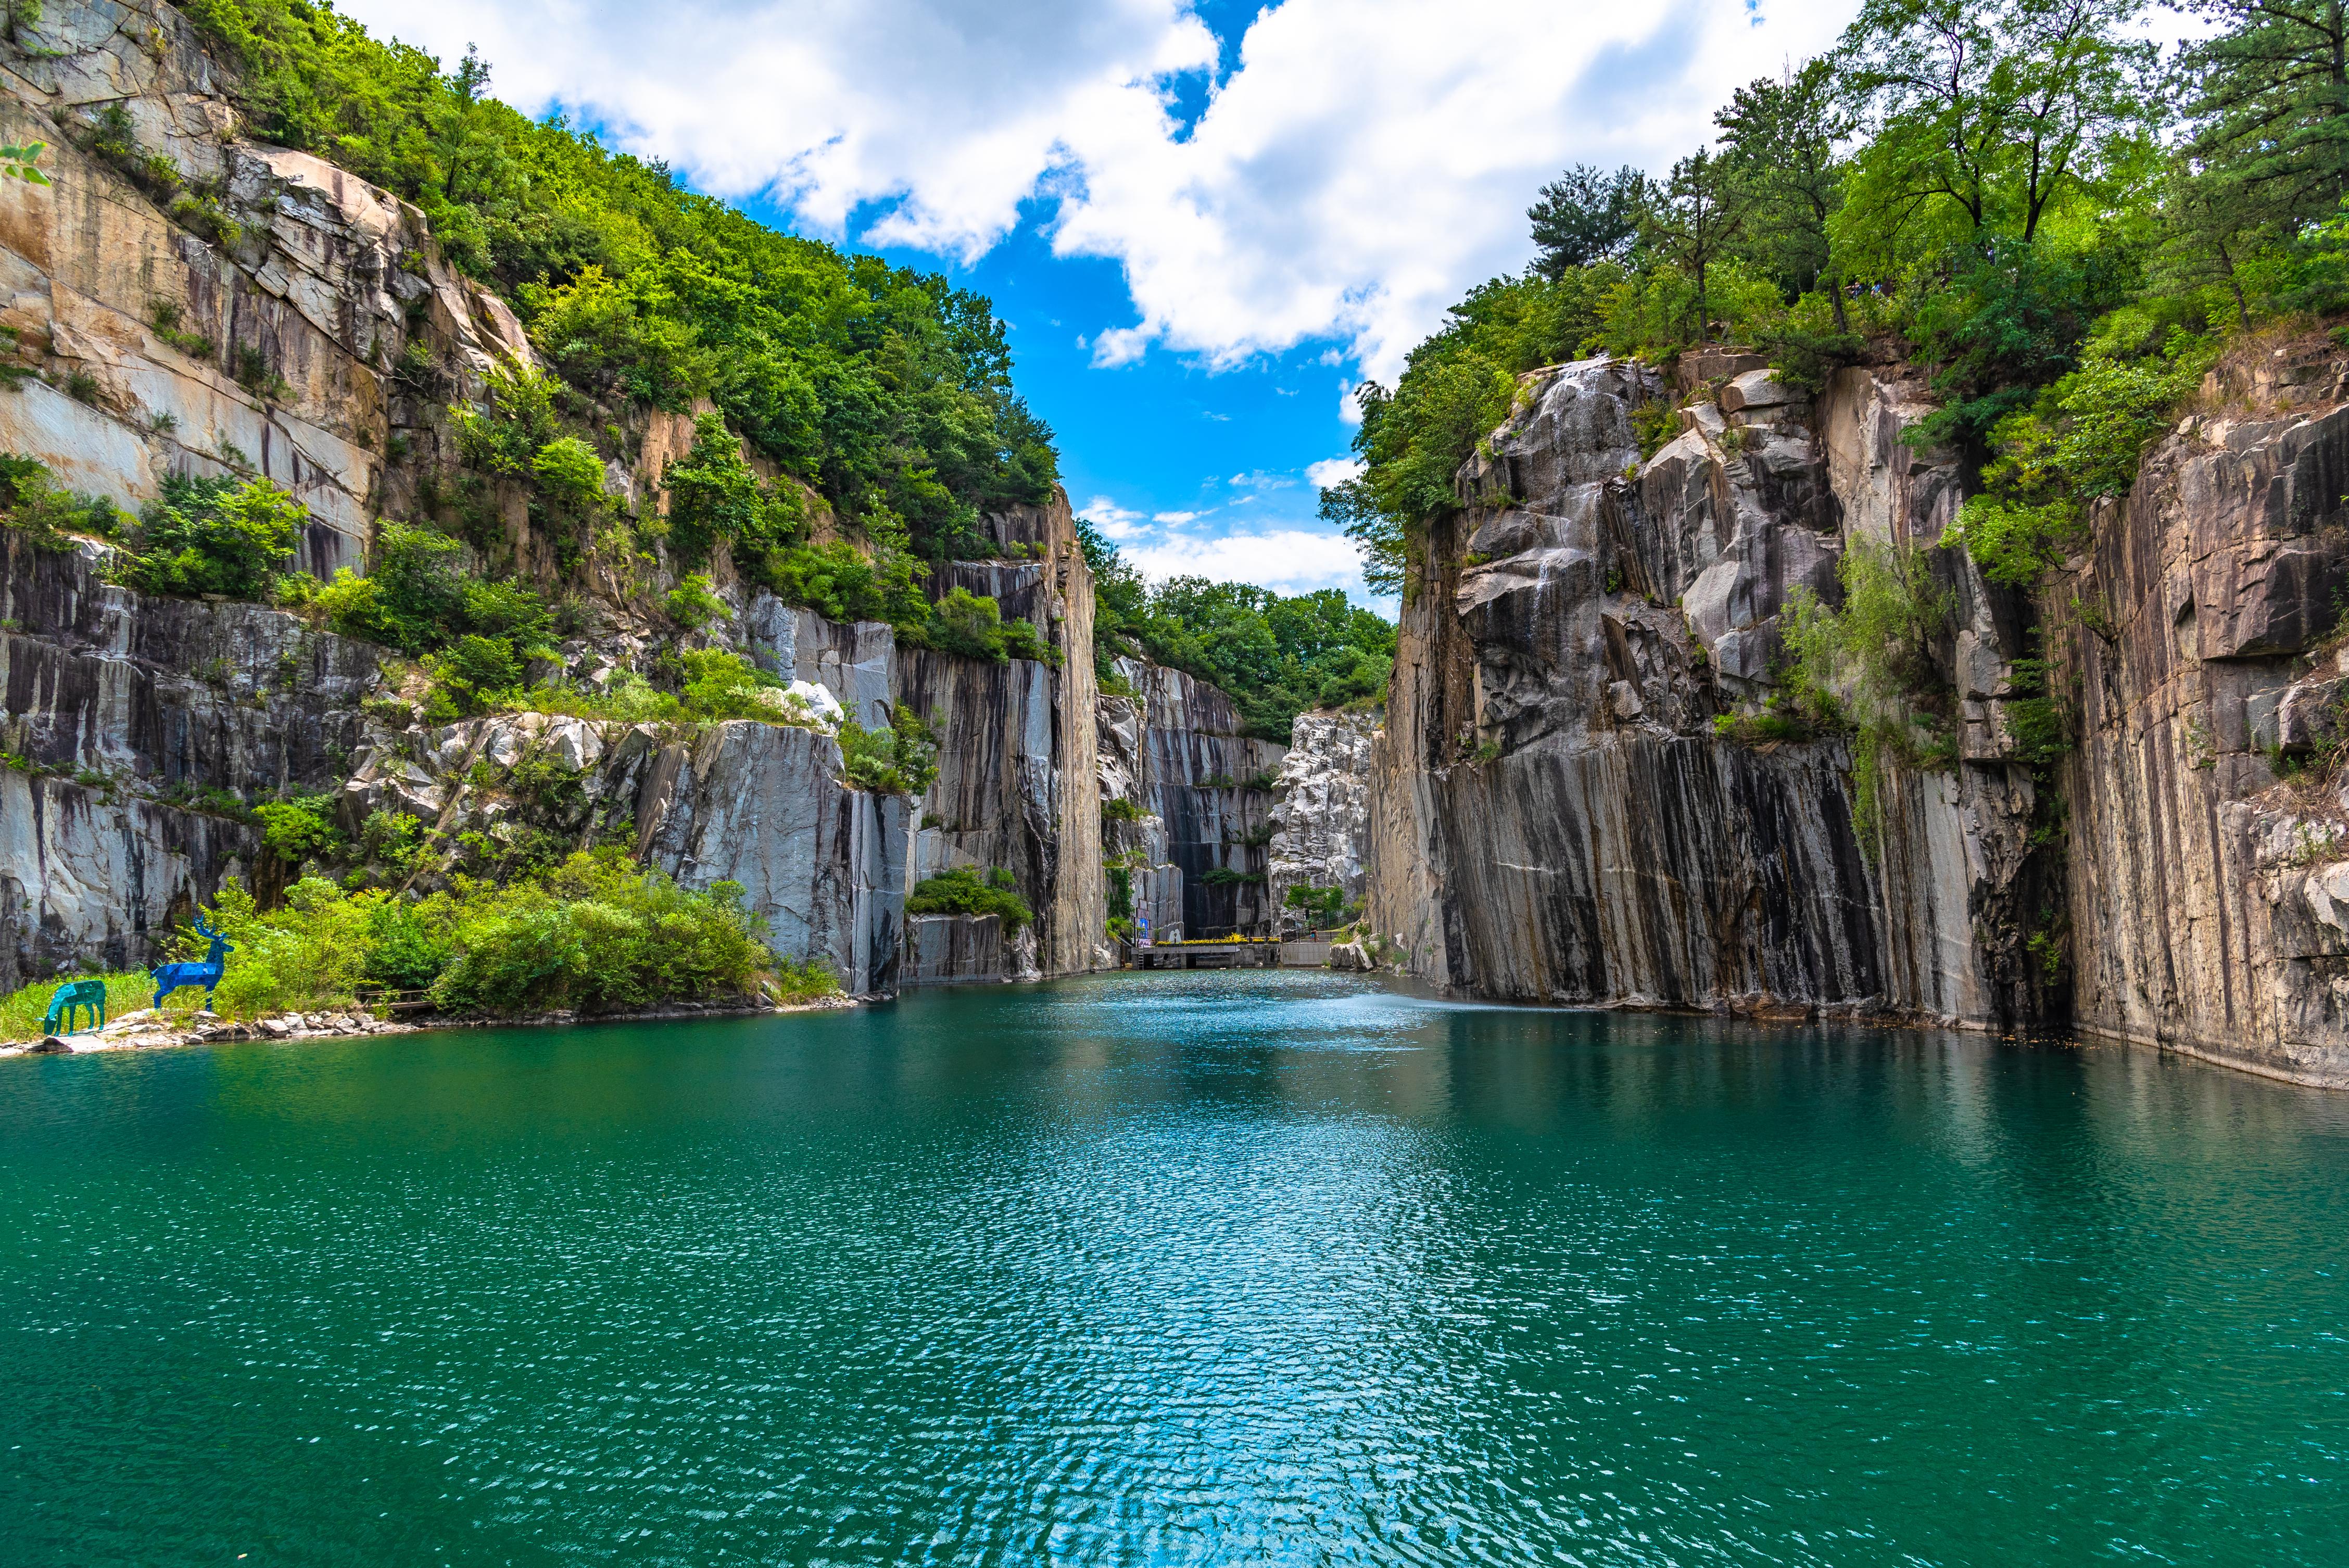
(843, 386)
(2060, 226)
(886, 390)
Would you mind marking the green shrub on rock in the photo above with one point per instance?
(213, 536)
(958, 890)
(32, 505)
(900, 758)
(595, 931)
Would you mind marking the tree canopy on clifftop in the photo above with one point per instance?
(887, 390)
(2057, 224)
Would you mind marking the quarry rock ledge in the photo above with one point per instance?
(142, 1030)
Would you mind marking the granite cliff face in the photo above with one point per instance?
(1320, 814)
(122, 712)
(268, 347)
(2207, 897)
(1553, 816)
(1019, 779)
(1193, 835)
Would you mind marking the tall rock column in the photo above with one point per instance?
(1018, 787)
(2210, 898)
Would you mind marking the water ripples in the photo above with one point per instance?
(1215, 1268)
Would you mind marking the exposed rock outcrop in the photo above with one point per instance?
(1553, 816)
(1201, 792)
(1018, 784)
(1321, 813)
(301, 325)
(2206, 904)
(269, 346)
(125, 713)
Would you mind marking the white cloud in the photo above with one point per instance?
(1261, 480)
(1114, 522)
(1176, 519)
(1291, 559)
(1366, 162)
(952, 112)
(1331, 471)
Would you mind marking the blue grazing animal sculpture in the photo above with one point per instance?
(76, 994)
(170, 977)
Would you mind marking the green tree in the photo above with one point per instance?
(1586, 215)
(1779, 140)
(1699, 214)
(214, 536)
(2271, 106)
(1984, 115)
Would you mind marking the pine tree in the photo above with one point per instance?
(1701, 212)
(1586, 216)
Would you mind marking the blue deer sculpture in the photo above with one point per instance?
(72, 998)
(170, 977)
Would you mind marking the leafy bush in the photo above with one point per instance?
(2080, 441)
(416, 599)
(31, 505)
(629, 698)
(506, 439)
(900, 758)
(475, 672)
(301, 828)
(213, 536)
(840, 584)
(958, 890)
(2037, 719)
(595, 932)
(1118, 808)
(1023, 641)
(2016, 545)
(1870, 664)
(598, 933)
(721, 685)
(569, 473)
(1357, 677)
(967, 624)
(1322, 907)
(692, 605)
(715, 498)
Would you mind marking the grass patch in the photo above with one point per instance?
(127, 991)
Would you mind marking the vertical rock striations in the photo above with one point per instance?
(1201, 794)
(131, 721)
(2207, 899)
(1018, 784)
(1555, 814)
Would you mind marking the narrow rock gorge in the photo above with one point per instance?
(1568, 803)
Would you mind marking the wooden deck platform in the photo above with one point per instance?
(1233, 954)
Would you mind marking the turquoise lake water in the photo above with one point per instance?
(1228, 1268)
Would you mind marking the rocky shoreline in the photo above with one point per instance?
(144, 1029)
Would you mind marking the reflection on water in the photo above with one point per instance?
(1238, 1267)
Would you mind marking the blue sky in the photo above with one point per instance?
(1204, 221)
(1164, 448)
